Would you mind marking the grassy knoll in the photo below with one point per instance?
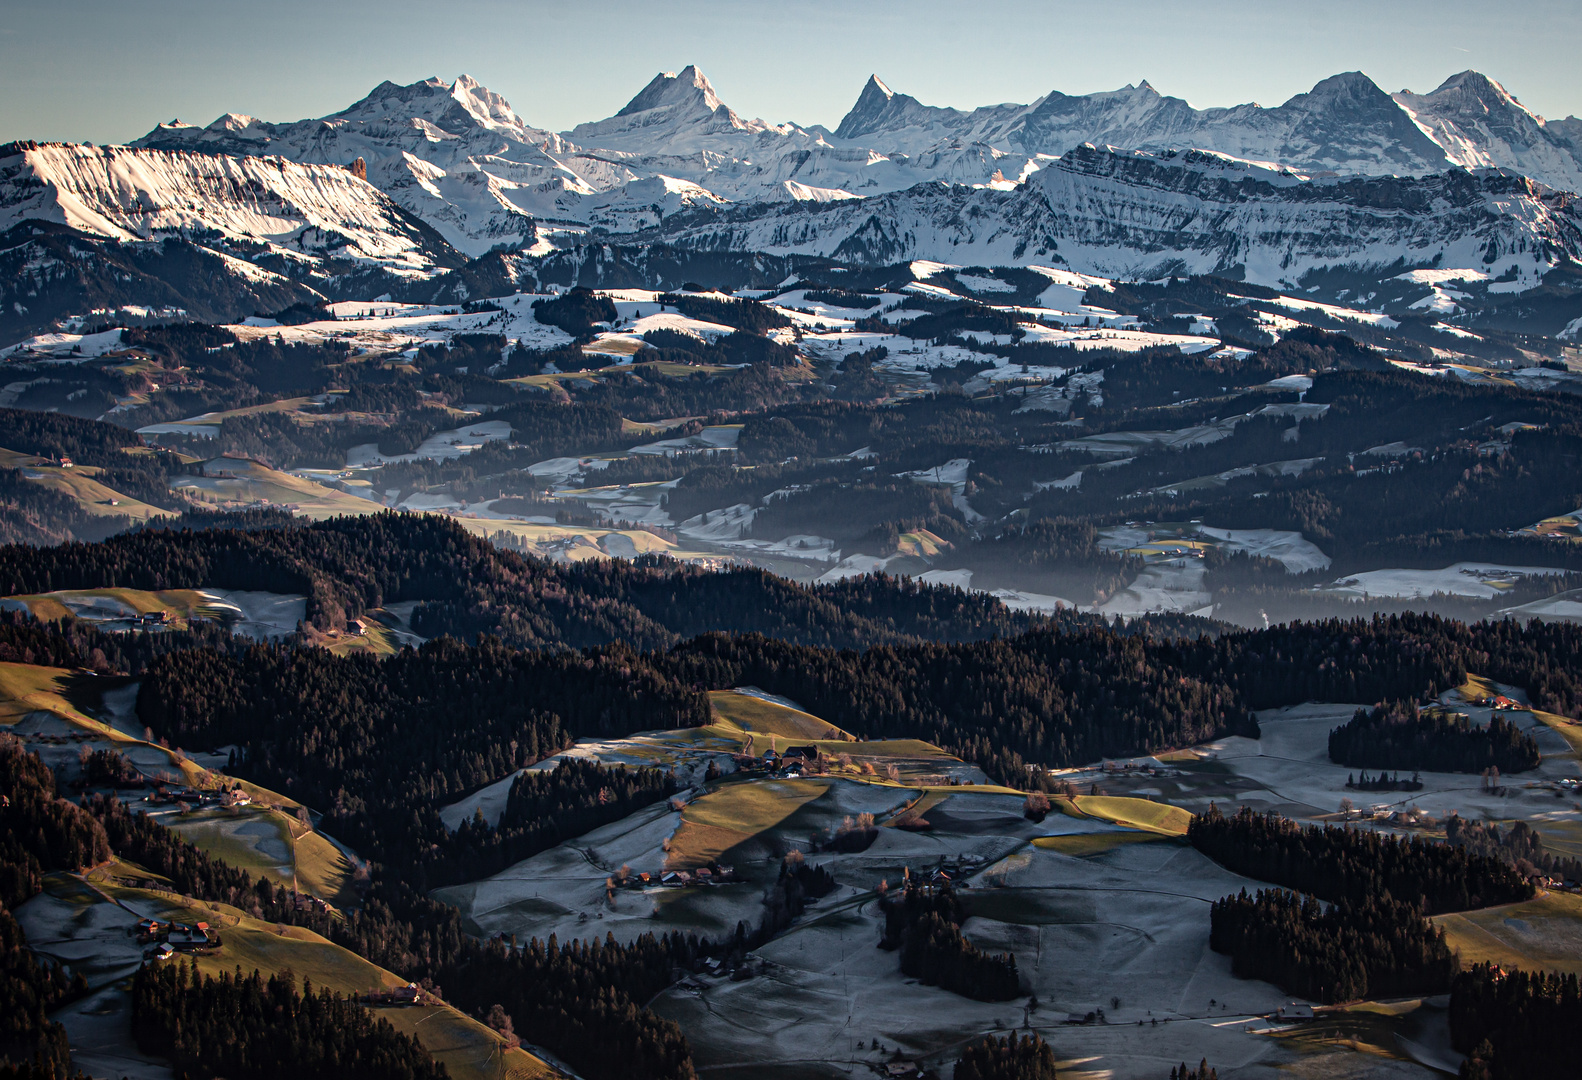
(615, 345)
(570, 543)
(682, 371)
(1545, 932)
(181, 604)
(761, 725)
(551, 381)
(736, 813)
(376, 639)
(291, 405)
(93, 497)
(1477, 687)
(73, 697)
(1142, 814)
(770, 718)
(28, 688)
(248, 481)
(466, 1047)
(270, 843)
(1082, 845)
(322, 868)
(254, 839)
(722, 736)
(922, 544)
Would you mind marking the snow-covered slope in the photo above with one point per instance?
(297, 210)
(1481, 125)
(1131, 214)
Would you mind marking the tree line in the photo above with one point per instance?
(1399, 735)
(924, 923)
(380, 745)
(1515, 1024)
(544, 808)
(465, 587)
(1355, 865)
(1378, 947)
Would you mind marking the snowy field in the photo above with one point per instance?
(441, 446)
(1482, 580)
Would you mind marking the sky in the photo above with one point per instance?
(108, 70)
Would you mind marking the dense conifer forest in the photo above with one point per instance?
(1378, 947)
(247, 1027)
(1355, 865)
(381, 745)
(466, 587)
(1401, 736)
(1513, 1025)
(29, 990)
(924, 923)
(41, 833)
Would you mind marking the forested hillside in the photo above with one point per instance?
(466, 587)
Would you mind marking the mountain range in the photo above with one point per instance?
(414, 181)
(458, 156)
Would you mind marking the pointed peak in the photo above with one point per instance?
(876, 106)
(1468, 79)
(687, 87)
(1147, 87)
(1477, 85)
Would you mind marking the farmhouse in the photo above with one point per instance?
(186, 940)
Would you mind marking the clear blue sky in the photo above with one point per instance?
(107, 70)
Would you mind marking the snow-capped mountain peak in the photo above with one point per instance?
(881, 111)
(676, 113)
(460, 158)
(457, 108)
(688, 88)
(1482, 125)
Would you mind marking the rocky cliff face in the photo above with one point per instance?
(310, 211)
